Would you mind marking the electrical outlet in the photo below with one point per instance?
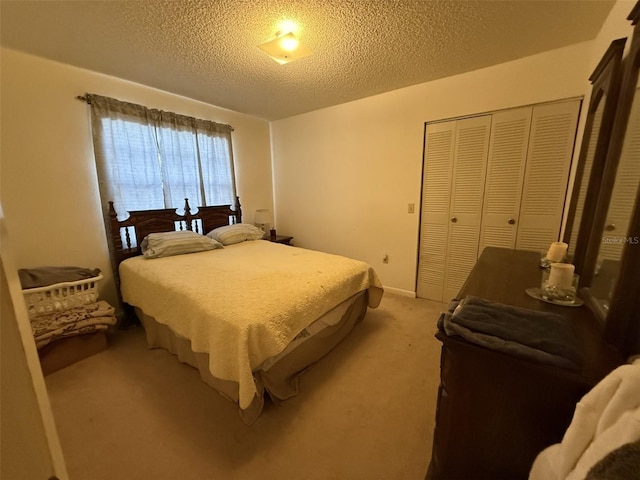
(411, 208)
(385, 258)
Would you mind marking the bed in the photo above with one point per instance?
(250, 315)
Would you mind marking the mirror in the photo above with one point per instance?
(615, 234)
(609, 238)
(593, 151)
(584, 173)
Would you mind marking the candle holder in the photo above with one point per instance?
(544, 261)
(561, 292)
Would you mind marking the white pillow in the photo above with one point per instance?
(166, 244)
(240, 232)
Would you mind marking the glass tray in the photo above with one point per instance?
(535, 293)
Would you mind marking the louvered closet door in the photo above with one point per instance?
(465, 209)
(625, 190)
(434, 228)
(505, 173)
(551, 141)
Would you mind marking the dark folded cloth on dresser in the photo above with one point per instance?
(542, 336)
(45, 276)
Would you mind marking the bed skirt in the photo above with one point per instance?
(278, 375)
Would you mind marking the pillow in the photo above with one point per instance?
(166, 244)
(230, 234)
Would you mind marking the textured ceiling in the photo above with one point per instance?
(207, 50)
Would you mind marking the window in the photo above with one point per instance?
(151, 159)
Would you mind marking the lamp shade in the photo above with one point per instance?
(262, 216)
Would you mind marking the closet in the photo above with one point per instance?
(497, 179)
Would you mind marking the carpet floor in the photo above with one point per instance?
(365, 411)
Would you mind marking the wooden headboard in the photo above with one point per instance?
(126, 235)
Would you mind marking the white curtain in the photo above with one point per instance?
(150, 159)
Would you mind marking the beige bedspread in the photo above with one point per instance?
(246, 302)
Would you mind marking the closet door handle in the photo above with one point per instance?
(454, 219)
(611, 227)
(511, 221)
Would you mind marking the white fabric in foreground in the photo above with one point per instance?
(605, 419)
(246, 302)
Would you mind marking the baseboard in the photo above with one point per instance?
(399, 291)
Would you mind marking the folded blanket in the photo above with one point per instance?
(542, 336)
(85, 319)
(44, 276)
(71, 332)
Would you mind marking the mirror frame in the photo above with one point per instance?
(606, 85)
(622, 323)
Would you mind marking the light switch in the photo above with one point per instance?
(411, 207)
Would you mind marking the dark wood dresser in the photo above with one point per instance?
(496, 412)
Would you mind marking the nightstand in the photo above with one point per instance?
(285, 240)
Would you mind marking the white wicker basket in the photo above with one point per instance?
(61, 296)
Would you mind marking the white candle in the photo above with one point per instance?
(561, 275)
(557, 251)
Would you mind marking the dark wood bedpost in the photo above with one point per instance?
(127, 318)
(115, 228)
(238, 210)
(187, 215)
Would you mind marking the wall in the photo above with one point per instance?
(48, 184)
(615, 26)
(344, 175)
(29, 444)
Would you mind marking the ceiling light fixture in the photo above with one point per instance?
(284, 48)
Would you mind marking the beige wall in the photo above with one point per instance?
(48, 183)
(616, 26)
(29, 444)
(344, 176)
